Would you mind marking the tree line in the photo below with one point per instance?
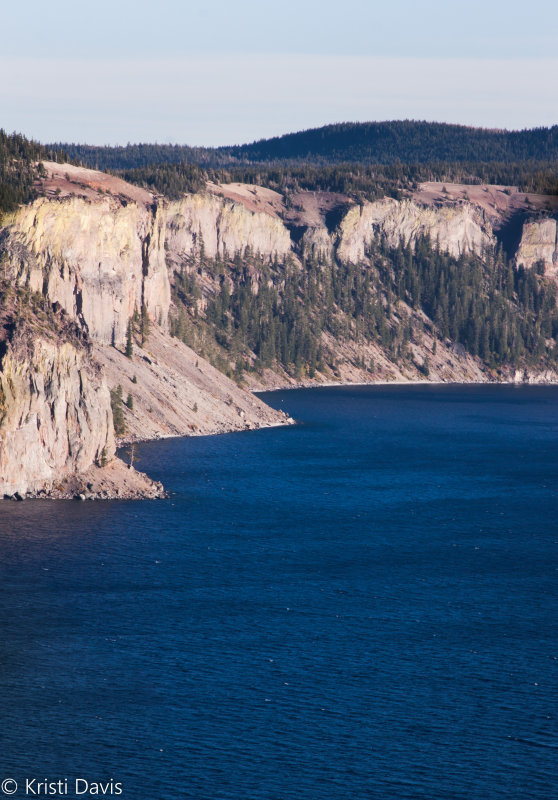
(20, 169)
(394, 142)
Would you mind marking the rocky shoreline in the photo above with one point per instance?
(115, 481)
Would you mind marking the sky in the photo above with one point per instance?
(217, 72)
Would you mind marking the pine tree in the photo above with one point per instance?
(129, 340)
(117, 412)
(144, 324)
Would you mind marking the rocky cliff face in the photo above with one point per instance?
(539, 242)
(457, 228)
(319, 244)
(55, 414)
(221, 226)
(99, 260)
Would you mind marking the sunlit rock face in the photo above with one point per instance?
(221, 227)
(100, 260)
(456, 228)
(539, 242)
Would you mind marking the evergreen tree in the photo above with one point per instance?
(129, 340)
(144, 324)
(117, 411)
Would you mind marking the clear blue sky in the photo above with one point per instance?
(219, 72)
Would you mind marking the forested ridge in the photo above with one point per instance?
(358, 181)
(362, 160)
(357, 158)
(407, 142)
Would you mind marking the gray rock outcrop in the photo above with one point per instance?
(55, 416)
(456, 228)
(223, 227)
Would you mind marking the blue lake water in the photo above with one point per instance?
(361, 606)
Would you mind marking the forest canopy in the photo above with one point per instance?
(405, 142)
(361, 159)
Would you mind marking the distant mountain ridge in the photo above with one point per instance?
(383, 143)
(405, 142)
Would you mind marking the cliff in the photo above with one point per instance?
(329, 223)
(56, 422)
(539, 243)
(98, 259)
(328, 230)
(456, 229)
(56, 416)
(93, 251)
(219, 227)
